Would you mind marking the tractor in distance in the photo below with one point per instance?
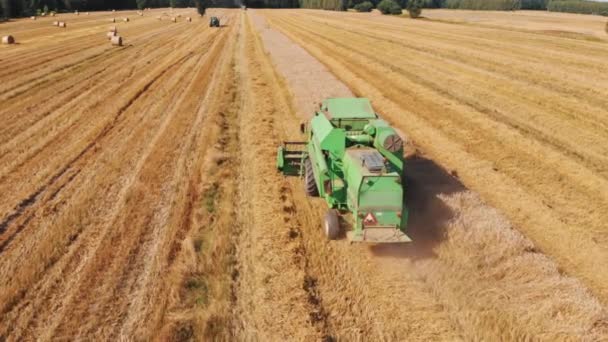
(353, 160)
(214, 22)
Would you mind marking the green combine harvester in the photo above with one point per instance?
(353, 160)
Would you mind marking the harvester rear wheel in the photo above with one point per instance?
(332, 224)
(310, 186)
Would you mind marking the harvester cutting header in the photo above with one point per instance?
(353, 160)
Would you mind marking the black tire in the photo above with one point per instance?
(331, 224)
(310, 186)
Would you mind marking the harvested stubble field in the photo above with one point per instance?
(542, 22)
(140, 199)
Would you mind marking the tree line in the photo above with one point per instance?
(272, 3)
(495, 5)
(584, 7)
(571, 6)
(336, 5)
(20, 8)
(26, 8)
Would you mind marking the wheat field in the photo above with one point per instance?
(140, 199)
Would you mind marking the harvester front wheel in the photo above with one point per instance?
(310, 186)
(332, 224)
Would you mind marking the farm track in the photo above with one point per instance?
(140, 198)
(539, 155)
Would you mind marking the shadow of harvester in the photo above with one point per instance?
(428, 214)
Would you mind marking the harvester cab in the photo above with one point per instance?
(354, 161)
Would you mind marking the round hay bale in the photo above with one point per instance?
(8, 40)
(188, 19)
(111, 34)
(174, 19)
(113, 20)
(52, 14)
(116, 40)
(113, 10)
(43, 14)
(126, 20)
(62, 24)
(33, 18)
(113, 29)
(55, 23)
(87, 13)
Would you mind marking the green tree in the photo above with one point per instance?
(201, 6)
(29, 8)
(389, 7)
(6, 8)
(578, 6)
(434, 3)
(141, 4)
(365, 6)
(534, 4)
(491, 5)
(414, 8)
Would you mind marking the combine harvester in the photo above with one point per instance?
(353, 160)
